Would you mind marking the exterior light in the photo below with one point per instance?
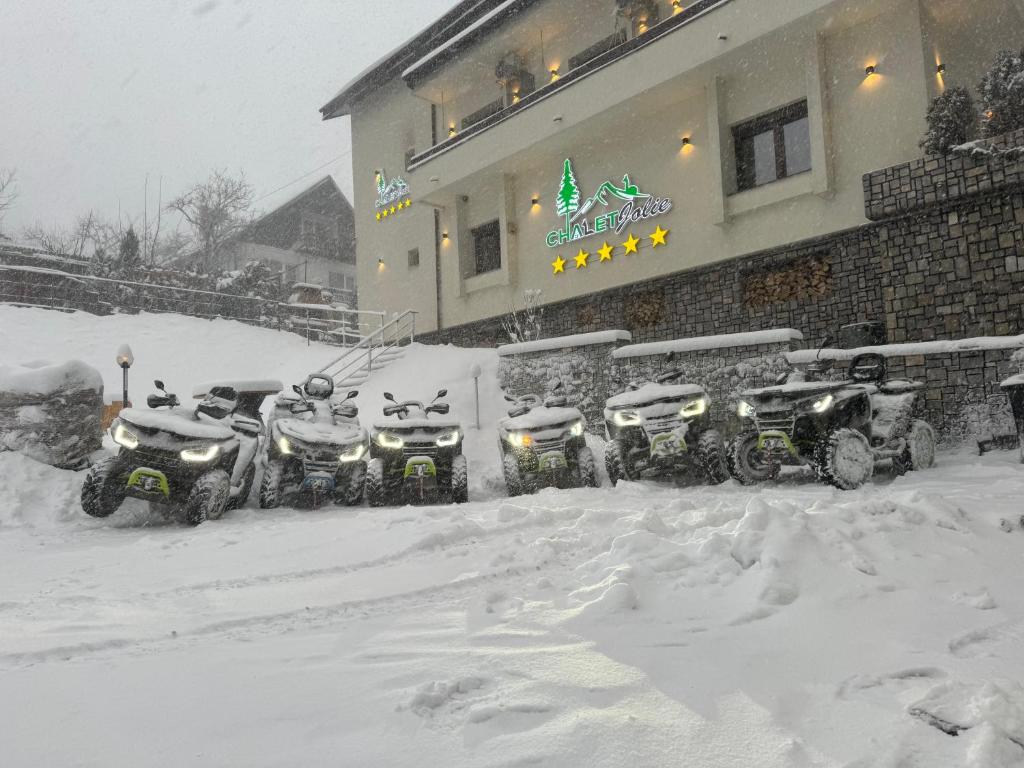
(989, 114)
(125, 358)
(444, 235)
(677, 7)
(515, 97)
(642, 26)
(451, 130)
(554, 74)
(535, 200)
(686, 141)
(380, 265)
(940, 69)
(869, 70)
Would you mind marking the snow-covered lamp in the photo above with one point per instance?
(125, 358)
(475, 371)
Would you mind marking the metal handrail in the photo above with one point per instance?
(371, 347)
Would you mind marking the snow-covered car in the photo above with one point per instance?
(318, 450)
(839, 428)
(201, 461)
(543, 444)
(416, 455)
(662, 429)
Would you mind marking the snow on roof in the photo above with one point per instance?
(946, 346)
(563, 342)
(650, 392)
(750, 339)
(454, 40)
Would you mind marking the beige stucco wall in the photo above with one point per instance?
(629, 118)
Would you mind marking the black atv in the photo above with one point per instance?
(544, 445)
(839, 428)
(415, 458)
(199, 461)
(662, 429)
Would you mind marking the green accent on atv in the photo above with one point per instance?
(668, 444)
(428, 465)
(773, 434)
(149, 481)
(552, 460)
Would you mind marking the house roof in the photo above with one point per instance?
(467, 21)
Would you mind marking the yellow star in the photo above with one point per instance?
(581, 259)
(658, 238)
(606, 252)
(631, 244)
(392, 210)
(384, 214)
(408, 203)
(558, 264)
(378, 215)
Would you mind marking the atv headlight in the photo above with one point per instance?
(353, 454)
(125, 437)
(200, 455)
(448, 440)
(745, 410)
(285, 446)
(520, 439)
(822, 405)
(577, 429)
(694, 408)
(393, 442)
(627, 419)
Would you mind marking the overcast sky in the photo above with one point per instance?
(96, 94)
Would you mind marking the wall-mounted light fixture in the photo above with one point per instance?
(380, 265)
(451, 130)
(869, 70)
(554, 74)
(535, 201)
(940, 69)
(444, 235)
(515, 97)
(677, 7)
(642, 26)
(686, 141)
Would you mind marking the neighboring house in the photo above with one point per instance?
(308, 239)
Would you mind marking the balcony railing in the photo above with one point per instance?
(585, 68)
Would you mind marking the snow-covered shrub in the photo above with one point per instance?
(1002, 94)
(525, 324)
(951, 121)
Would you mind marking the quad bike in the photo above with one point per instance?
(200, 461)
(317, 451)
(543, 444)
(415, 458)
(662, 429)
(840, 428)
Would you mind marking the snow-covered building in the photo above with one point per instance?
(309, 238)
(677, 167)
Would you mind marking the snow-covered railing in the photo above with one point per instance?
(564, 342)
(361, 356)
(697, 343)
(942, 347)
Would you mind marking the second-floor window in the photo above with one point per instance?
(772, 146)
(487, 247)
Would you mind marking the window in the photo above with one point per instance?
(487, 247)
(772, 147)
(414, 257)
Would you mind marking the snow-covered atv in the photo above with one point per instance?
(840, 428)
(544, 445)
(201, 461)
(415, 458)
(662, 429)
(318, 450)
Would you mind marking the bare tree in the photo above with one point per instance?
(74, 241)
(8, 190)
(525, 324)
(216, 210)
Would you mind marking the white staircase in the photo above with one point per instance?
(373, 352)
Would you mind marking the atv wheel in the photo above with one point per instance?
(351, 493)
(271, 485)
(616, 462)
(460, 480)
(234, 502)
(920, 453)
(513, 477)
(747, 463)
(845, 459)
(104, 488)
(711, 456)
(587, 468)
(376, 495)
(208, 498)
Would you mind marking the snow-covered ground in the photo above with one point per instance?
(787, 626)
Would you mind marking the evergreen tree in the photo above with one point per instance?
(951, 121)
(568, 200)
(1002, 94)
(129, 253)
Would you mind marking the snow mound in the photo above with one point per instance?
(40, 378)
(35, 494)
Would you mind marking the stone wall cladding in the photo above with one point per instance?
(584, 372)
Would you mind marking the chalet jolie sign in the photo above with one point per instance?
(610, 209)
(392, 196)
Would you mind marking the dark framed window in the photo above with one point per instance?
(414, 257)
(487, 247)
(772, 146)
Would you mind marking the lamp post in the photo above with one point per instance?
(125, 358)
(475, 373)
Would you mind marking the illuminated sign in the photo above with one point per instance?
(610, 210)
(392, 196)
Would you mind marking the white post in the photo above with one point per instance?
(475, 373)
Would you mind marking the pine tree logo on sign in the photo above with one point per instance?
(579, 222)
